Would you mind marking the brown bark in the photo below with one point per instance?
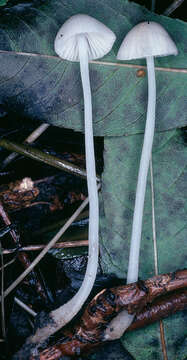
(160, 309)
(151, 300)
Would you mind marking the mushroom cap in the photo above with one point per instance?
(99, 37)
(146, 39)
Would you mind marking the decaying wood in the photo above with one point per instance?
(19, 194)
(75, 342)
(135, 298)
(160, 309)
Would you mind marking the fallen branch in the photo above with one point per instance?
(74, 342)
(160, 309)
(90, 331)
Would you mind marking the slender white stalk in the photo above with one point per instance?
(61, 316)
(123, 320)
(78, 300)
(118, 325)
(133, 267)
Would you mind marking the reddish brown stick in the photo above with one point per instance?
(160, 309)
(60, 245)
(137, 298)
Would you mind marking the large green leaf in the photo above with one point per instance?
(48, 89)
(121, 158)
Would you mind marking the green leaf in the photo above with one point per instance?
(48, 89)
(121, 158)
(145, 344)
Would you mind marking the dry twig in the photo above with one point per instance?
(30, 139)
(60, 245)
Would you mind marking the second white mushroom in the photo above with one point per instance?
(145, 40)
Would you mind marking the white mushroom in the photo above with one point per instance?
(83, 38)
(145, 40)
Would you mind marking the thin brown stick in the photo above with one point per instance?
(105, 63)
(60, 245)
(163, 341)
(133, 66)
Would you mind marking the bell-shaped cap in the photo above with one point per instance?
(99, 37)
(146, 39)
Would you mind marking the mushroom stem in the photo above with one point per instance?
(93, 232)
(133, 266)
(66, 312)
(123, 320)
